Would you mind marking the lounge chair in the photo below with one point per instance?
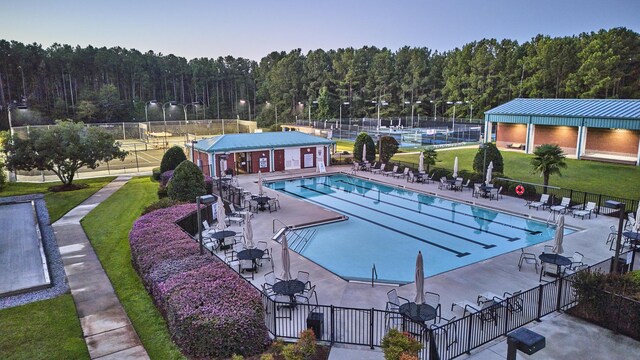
(544, 202)
(379, 170)
(402, 174)
(591, 206)
(562, 208)
(388, 173)
(411, 177)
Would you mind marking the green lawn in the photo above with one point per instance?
(47, 329)
(107, 227)
(589, 176)
(59, 203)
(342, 145)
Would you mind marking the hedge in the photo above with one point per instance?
(210, 310)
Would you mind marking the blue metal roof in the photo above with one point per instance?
(266, 140)
(592, 108)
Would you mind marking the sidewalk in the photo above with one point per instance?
(105, 325)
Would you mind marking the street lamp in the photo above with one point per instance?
(276, 109)
(203, 200)
(379, 103)
(164, 118)
(243, 101)
(434, 108)
(146, 116)
(412, 107)
(344, 103)
(453, 126)
(621, 207)
(195, 105)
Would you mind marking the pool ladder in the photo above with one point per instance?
(300, 239)
(374, 272)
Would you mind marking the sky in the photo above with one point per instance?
(252, 29)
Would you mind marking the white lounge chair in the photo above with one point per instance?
(402, 174)
(562, 208)
(387, 173)
(591, 206)
(544, 202)
(379, 170)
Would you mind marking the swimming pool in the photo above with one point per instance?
(388, 225)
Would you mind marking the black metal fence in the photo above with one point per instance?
(358, 326)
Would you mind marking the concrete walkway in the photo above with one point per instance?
(105, 325)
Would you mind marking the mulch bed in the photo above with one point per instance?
(67, 187)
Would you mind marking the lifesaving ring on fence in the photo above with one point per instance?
(520, 190)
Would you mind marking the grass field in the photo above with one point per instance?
(47, 329)
(58, 203)
(589, 176)
(107, 227)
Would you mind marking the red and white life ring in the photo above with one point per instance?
(520, 190)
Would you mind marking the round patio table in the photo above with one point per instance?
(251, 254)
(288, 287)
(418, 312)
(221, 235)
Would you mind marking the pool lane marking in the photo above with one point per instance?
(532, 232)
(486, 246)
(457, 253)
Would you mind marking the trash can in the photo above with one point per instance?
(315, 322)
(623, 267)
(525, 340)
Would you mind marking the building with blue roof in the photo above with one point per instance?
(596, 129)
(265, 152)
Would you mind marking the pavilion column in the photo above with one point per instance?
(530, 141)
(488, 128)
(638, 158)
(580, 146)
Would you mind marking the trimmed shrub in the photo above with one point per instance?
(493, 154)
(162, 192)
(155, 174)
(210, 311)
(187, 183)
(172, 158)
(361, 139)
(389, 148)
(160, 204)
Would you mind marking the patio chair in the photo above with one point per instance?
(457, 185)
(569, 271)
(476, 190)
(272, 204)
(443, 183)
(411, 177)
(529, 258)
(542, 203)
(304, 277)
(630, 222)
(467, 185)
(389, 173)
(612, 236)
(489, 296)
(433, 299)
(270, 279)
(446, 328)
(379, 170)
(426, 179)
(241, 212)
(562, 208)
(262, 245)
(392, 315)
(548, 249)
(590, 208)
(246, 265)
(515, 303)
(497, 193)
(307, 295)
(549, 269)
(576, 260)
(402, 174)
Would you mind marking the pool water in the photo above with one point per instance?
(387, 226)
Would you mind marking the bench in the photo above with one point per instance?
(516, 146)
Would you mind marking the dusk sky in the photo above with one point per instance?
(252, 29)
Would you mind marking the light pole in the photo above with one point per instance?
(412, 107)
(146, 116)
(343, 103)
(379, 103)
(453, 125)
(195, 105)
(202, 200)
(276, 109)
(310, 105)
(24, 93)
(471, 111)
(243, 101)
(434, 108)
(164, 118)
(621, 207)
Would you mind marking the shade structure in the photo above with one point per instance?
(559, 237)
(286, 262)
(419, 279)
(421, 163)
(364, 152)
(260, 191)
(636, 225)
(455, 167)
(220, 215)
(489, 171)
(248, 233)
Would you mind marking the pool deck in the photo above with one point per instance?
(497, 274)
(23, 265)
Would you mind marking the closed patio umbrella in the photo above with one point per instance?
(286, 262)
(260, 191)
(636, 225)
(221, 215)
(489, 171)
(455, 167)
(364, 152)
(557, 239)
(421, 163)
(419, 279)
(248, 233)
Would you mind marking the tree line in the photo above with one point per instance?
(116, 84)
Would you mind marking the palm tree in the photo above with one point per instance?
(430, 157)
(548, 160)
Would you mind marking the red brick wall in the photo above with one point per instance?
(230, 163)
(510, 134)
(564, 136)
(612, 141)
(255, 161)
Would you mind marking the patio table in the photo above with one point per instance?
(251, 254)
(288, 287)
(221, 236)
(418, 312)
(555, 259)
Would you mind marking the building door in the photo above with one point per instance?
(291, 159)
(278, 160)
(242, 163)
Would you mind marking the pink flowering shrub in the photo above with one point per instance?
(210, 310)
(165, 177)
